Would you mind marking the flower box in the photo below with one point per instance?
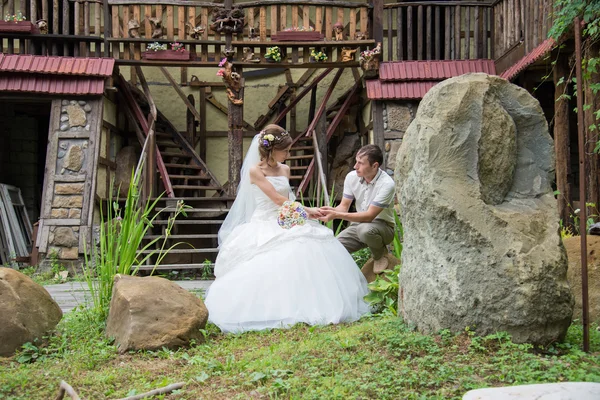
(18, 27)
(297, 36)
(166, 55)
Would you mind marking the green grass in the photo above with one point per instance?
(377, 357)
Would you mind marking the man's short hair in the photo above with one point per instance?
(373, 153)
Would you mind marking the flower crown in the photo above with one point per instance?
(267, 139)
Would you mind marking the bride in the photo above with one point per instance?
(270, 277)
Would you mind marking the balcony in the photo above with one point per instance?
(417, 30)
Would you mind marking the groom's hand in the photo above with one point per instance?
(328, 214)
(314, 213)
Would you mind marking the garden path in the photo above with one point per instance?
(71, 294)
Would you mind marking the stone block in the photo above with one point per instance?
(59, 213)
(69, 253)
(75, 213)
(76, 115)
(399, 116)
(67, 201)
(64, 236)
(68, 188)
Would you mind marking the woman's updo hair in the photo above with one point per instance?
(273, 137)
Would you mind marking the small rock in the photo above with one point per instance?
(73, 102)
(64, 127)
(87, 108)
(65, 102)
(64, 118)
(81, 103)
(87, 127)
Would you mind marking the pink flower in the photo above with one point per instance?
(223, 61)
(220, 72)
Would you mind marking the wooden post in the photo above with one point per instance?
(202, 134)
(561, 140)
(377, 33)
(321, 133)
(235, 122)
(592, 138)
(190, 123)
(377, 115)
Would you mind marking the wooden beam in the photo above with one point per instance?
(212, 100)
(190, 122)
(377, 116)
(190, 106)
(202, 134)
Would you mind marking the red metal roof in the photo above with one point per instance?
(529, 59)
(56, 65)
(54, 75)
(432, 70)
(412, 79)
(377, 90)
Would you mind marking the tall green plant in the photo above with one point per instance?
(118, 250)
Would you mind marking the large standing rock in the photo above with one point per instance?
(573, 246)
(126, 161)
(28, 311)
(481, 241)
(151, 313)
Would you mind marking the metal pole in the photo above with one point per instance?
(582, 189)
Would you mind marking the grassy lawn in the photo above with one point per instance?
(375, 358)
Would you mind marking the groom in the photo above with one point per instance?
(373, 223)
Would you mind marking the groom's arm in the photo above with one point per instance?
(362, 216)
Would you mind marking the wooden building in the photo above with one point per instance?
(75, 74)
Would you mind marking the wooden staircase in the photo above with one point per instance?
(184, 178)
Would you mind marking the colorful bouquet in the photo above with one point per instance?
(291, 213)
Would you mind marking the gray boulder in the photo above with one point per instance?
(151, 313)
(481, 241)
(28, 311)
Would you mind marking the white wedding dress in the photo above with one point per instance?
(270, 277)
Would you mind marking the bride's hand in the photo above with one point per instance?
(313, 213)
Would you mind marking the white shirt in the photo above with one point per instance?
(379, 192)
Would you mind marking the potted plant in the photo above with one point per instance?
(158, 51)
(369, 61)
(297, 34)
(17, 23)
(273, 54)
(318, 56)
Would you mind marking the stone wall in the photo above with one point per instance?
(71, 169)
(397, 116)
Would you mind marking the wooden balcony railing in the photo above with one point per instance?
(436, 30)
(263, 19)
(412, 30)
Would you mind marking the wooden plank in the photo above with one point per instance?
(295, 16)
(437, 34)
(202, 128)
(204, 22)
(352, 25)
(476, 35)
(305, 17)
(420, 27)
(87, 211)
(250, 18)
(123, 30)
(170, 23)
(191, 18)
(65, 24)
(137, 48)
(319, 19)
(328, 23)
(390, 38)
(409, 33)
(400, 33)
(486, 29)
(428, 36)
(181, 20)
(378, 131)
(447, 34)
(282, 17)
(363, 19)
(467, 51)
(147, 26)
(263, 24)
(274, 21)
(457, 32)
(340, 16)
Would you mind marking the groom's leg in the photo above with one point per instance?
(376, 235)
(349, 238)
